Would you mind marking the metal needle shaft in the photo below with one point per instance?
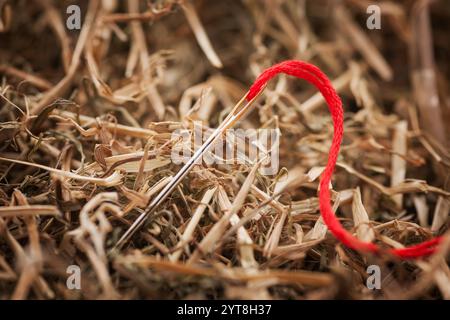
(229, 121)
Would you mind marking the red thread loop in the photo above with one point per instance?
(315, 76)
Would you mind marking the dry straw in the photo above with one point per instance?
(86, 123)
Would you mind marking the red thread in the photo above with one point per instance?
(314, 75)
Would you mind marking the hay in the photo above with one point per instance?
(86, 135)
